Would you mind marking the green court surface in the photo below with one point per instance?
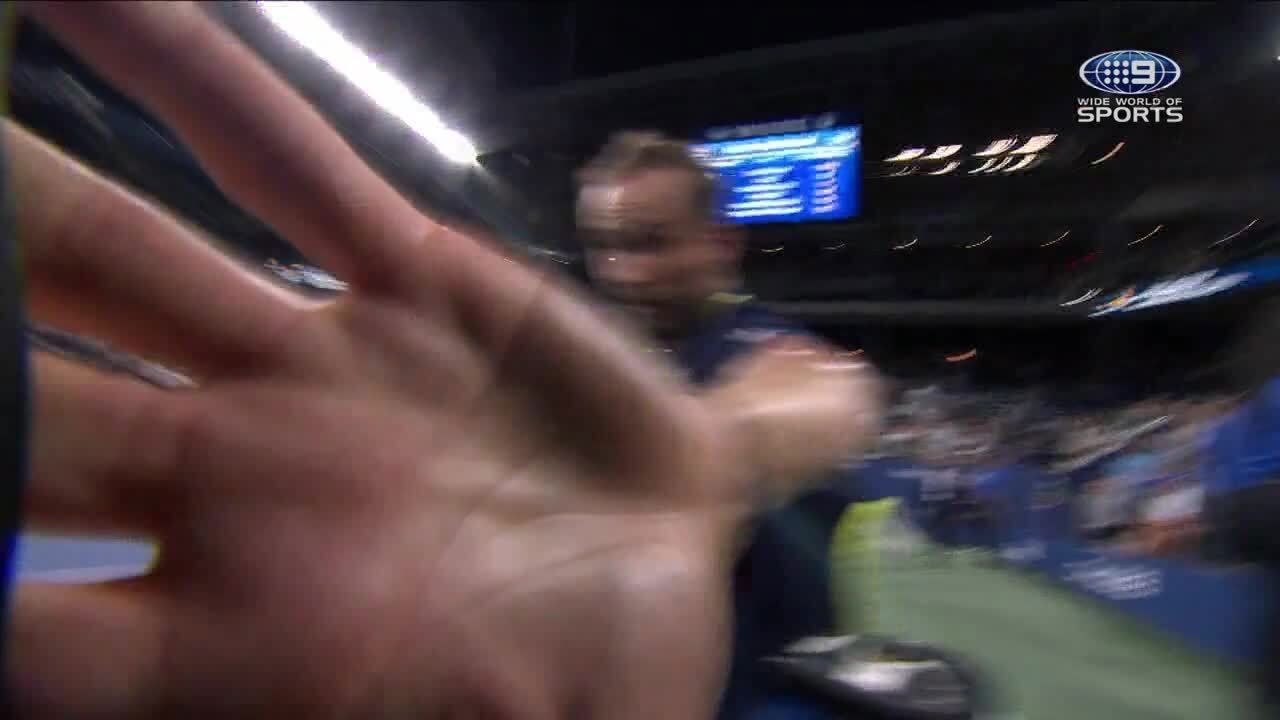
(1052, 655)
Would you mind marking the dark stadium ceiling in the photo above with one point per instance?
(460, 54)
(551, 81)
(557, 43)
(538, 85)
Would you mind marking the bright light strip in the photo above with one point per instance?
(983, 168)
(770, 251)
(833, 248)
(943, 152)
(980, 243)
(1109, 155)
(1022, 163)
(949, 167)
(1035, 144)
(999, 165)
(997, 147)
(308, 28)
(908, 154)
(1157, 229)
(1057, 240)
(963, 356)
(1091, 294)
(904, 247)
(1237, 233)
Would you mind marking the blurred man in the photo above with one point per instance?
(655, 246)
(1103, 508)
(453, 491)
(1169, 520)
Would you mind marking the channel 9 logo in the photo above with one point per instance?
(1130, 72)
(1129, 79)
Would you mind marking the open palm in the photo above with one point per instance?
(451, 491)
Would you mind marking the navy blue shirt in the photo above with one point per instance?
(781, 587)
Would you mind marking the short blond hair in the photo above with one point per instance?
(631, 152)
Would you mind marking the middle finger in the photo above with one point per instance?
(266, 147)
(103, 262)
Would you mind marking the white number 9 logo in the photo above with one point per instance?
(1142, 72)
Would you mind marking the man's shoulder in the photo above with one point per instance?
(756, 324)
(744, 329)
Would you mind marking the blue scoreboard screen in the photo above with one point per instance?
(797, 177)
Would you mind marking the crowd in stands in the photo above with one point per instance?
(932, 425)
(1135, 475)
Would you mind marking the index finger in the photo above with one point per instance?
(265, 146)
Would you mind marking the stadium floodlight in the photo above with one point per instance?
(308, 28)
(1238, 233)
(908, 154)
(1021, 164)
(943, 152)
(1057, 240)
(1089, 295)
(1034, 144)
(1157, 229)
(986, 164)
(996, 147)
(1002, 164)
(1109, 155)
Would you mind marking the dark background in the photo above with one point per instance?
(539, 86)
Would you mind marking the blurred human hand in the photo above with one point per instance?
(452, 490)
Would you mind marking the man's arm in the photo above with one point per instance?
(799, 408)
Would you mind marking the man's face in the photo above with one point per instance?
(650, 247)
